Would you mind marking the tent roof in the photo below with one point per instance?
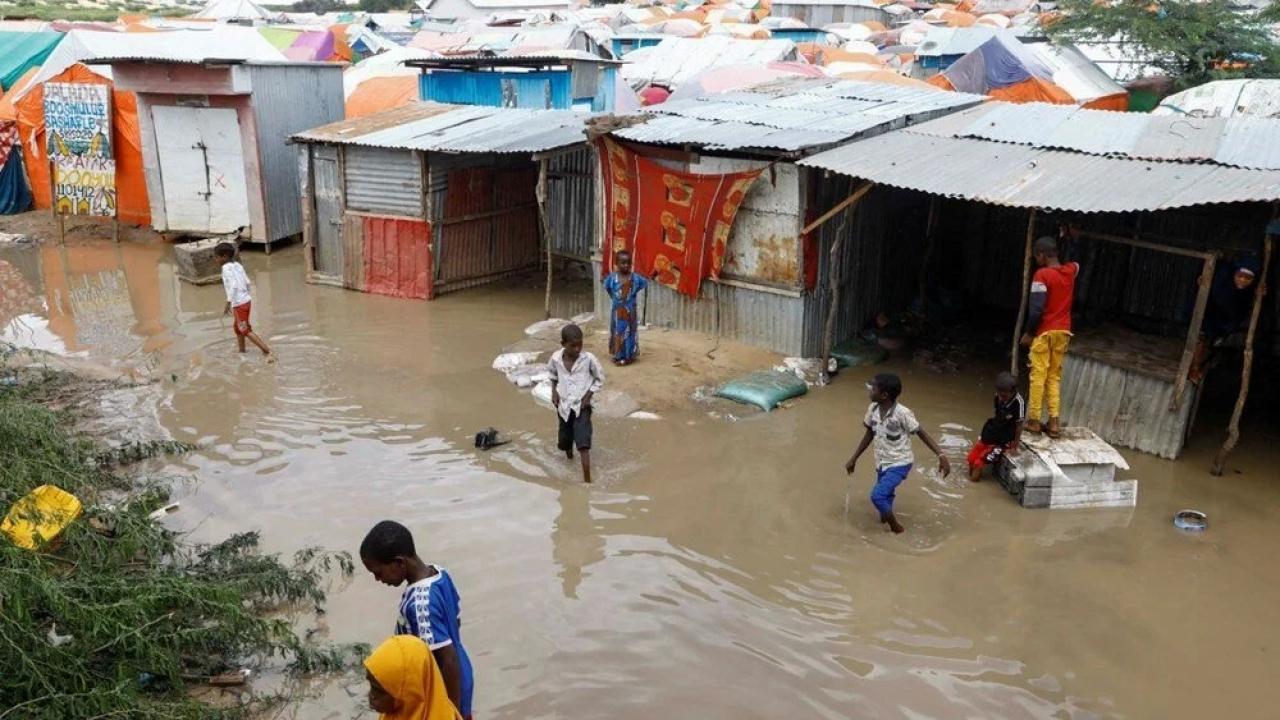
(233, 10)
(20, 51)
(227, 42)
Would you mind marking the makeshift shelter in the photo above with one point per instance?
(382, 93)
(556, 80)
(818, 13)
(214, 137)
(1005, 69)
(469, 9)
(762, 289)
(233, 11)
(386, 64)
(132, 204)
(21, 51)
(1226, 98)
(311, 46)
(430, 198)
(675, 60)
(1149, 205)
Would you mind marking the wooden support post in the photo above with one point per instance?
(930, 228)
(1026, 290)
(833, 271)
(1233, 427)
(546, 230)
(1193, 333)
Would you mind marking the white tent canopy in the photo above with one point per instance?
(233, 10)
(387, 64)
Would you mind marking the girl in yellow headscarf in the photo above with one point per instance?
(405, 683)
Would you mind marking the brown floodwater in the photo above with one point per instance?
(712, 571)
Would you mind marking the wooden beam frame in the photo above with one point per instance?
(545, 224)
(1233, 427)
(833, 271)
(1026, 292)
(1193, 332)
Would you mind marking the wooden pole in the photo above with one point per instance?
(546, 230)
(1193, 333)
(930, 228)
(853, 198)
(1026, 291)
(1233, 428)
(833, 271)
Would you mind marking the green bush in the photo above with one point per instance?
(121, 617)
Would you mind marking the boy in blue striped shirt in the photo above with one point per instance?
(429, 608)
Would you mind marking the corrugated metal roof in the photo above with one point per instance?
(436, 127)
(792, 115)
(1025, 176)
(1238, 141)
(675, 59)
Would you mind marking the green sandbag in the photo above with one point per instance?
(855, 352)
(764, 389)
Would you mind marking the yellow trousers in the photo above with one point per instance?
(1047, 353)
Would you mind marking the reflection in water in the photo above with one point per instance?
(711, 572)
(576, 544)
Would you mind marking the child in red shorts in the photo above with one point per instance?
(1003, 432)
(236, 283)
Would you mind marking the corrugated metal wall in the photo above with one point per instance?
(383, 181)
(484, 217)
(765, 319)
(1124, 408)
(571, 203)
(538, 90)
(879, 258)
(288, 99)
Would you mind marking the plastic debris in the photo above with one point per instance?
(509, 361)
(1192, 520)
(169, 509)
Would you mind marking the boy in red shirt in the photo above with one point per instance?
(1052, 288)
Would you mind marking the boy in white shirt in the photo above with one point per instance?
(239, 302)
(576, 376)
(891, 426)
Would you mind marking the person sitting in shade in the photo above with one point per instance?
(624, 288)
(1227, 312)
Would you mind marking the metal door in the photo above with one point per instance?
(328, 195)
(201, 169)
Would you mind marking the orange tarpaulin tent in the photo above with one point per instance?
(382, 93)
(132, 205)
(1033, 89)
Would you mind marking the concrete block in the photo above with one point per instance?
(1036, 497)
(1089, 472)
(196, 262)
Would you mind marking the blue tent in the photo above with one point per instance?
(21, 51)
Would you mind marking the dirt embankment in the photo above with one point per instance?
(671, 366)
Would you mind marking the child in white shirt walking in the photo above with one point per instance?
(576, 376)
(891, 426)
(239, 302)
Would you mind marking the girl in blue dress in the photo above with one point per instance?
(624, 288)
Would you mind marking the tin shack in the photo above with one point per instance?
(429, 198)
(766, 291)
(1158, 212)
(215, 140)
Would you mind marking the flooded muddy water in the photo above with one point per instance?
(711, 572)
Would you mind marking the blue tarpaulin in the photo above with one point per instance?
(21, 51)
(15, 196)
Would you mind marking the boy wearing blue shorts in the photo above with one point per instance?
(891, 425)
(429, 608)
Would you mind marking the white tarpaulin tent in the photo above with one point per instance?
(233, 10)
(387, 64)
(675, 60)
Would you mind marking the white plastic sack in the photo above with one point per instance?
(509, 361)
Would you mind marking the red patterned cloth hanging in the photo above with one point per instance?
(675, 224)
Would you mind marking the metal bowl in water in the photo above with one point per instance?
(1193, 520)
